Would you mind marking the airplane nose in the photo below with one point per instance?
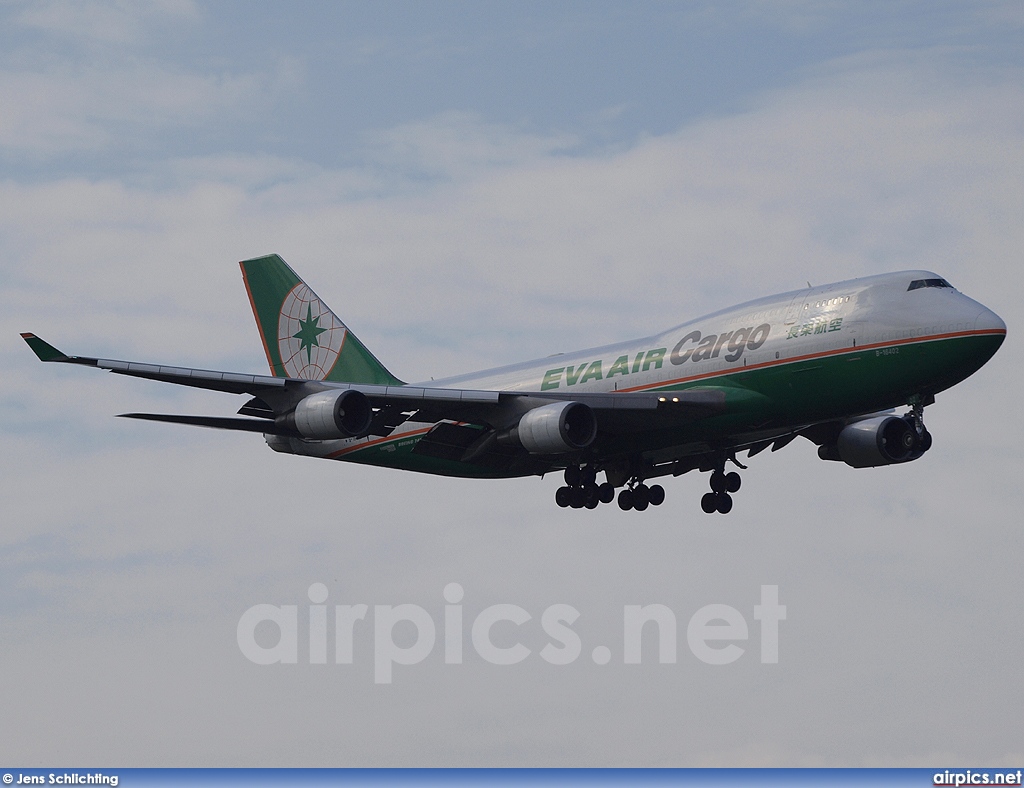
(988, 320)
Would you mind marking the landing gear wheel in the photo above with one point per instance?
(924, 442)
(656, 495)
(724, 503)
(577, 497)
(563, 496)
(718, 482)
(709, 503)
(590, 491)
(606, 493)
(572, 476)
(626, 500)
(732, 482)
(641, 497)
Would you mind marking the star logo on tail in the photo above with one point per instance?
(309, 330)
(309, 335)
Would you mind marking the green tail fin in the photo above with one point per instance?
(303, 338)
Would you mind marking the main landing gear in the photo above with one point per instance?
(719, 500)
(640, 496)
(722, 483)
(582, 490)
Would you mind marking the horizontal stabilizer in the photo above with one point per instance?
(215, 422)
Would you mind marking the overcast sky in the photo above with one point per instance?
(471, 184)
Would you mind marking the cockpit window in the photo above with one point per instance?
(919, 283)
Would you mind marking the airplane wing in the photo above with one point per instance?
(276, 396)
(196, 378)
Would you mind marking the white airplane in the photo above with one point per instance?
(827, 363)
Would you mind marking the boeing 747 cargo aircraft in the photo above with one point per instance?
(830, 364)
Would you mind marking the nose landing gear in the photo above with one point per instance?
(921, 439)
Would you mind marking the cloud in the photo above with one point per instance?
(106, 91)
(455, 145)
(118, 23)
(73, 109)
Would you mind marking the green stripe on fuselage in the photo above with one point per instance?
(772, 395)
(837, 385)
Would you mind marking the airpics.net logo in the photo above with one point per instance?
(716, 634)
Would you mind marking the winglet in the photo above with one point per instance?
(44, 350)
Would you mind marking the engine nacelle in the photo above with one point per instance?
(882, 440)
(556, 428)
(333, 414)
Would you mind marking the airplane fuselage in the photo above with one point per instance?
(784, 361)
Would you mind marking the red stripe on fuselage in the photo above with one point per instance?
(349, 449)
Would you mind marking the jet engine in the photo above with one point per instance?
(556, 428)
(881, 440)
(332, 414)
